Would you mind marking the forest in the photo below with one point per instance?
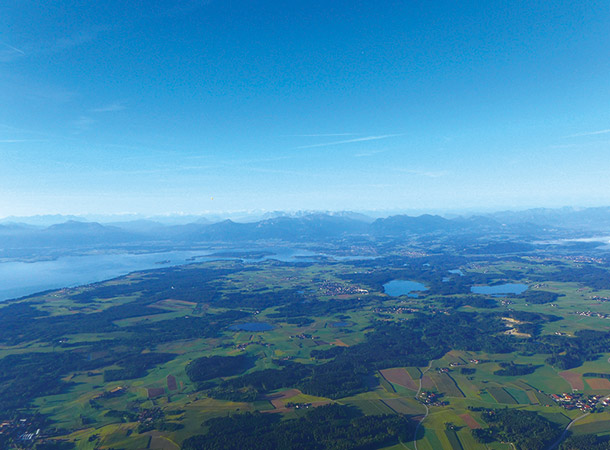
(331, 427)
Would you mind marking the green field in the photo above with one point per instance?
(90, 412)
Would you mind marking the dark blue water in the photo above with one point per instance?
(396, 288)
(340, 324)
(500, 289)
(252, 326)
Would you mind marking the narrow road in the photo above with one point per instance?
(563, 435)
(425, 406)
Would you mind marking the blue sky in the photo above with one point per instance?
(162, 106)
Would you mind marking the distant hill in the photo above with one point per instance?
(595, 219)
(22, 239)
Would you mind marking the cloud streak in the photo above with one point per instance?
(425, 173)
(112, 107)
(349, 141)
(369, 153)
(320, 135)
(83, 123)
(18, 141)
(15, 49)
(590, 133)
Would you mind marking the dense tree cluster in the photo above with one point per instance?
(511, 369)
(136, 365)
(475, 301)
(343, 371)
(27, 376)
(208, 367)
(540, 297)
(589, 275)
(330, 427)
(525, 429)
(568, 352)
(183, 283)
(586, 442)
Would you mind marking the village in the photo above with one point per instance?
(330, 288)
(590, 403)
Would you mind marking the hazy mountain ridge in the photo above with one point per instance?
(530, 224)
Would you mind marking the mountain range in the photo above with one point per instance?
(309, 227)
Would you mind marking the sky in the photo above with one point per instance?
(195, 106)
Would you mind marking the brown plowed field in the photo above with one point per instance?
(278, 400)
(155, 392)
(399, 376)
(575, 379)
(427, 383)
(598, 383)
(469, 420)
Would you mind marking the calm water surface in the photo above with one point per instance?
(396, 288)
(18, 278)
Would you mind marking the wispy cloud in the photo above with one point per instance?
(589, 133)
(320, 135)
(9, 52)
(580, 145)
(18, 141)
(369, 153)
(83, 123)
(350, 141)
(424, 173)
(74, 40)
(112, 107)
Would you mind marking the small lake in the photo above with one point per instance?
(251, 326)
(340, 324)
(500, 289)
(396, 288)
(457, 272)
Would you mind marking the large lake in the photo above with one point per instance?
(18, 278)
(500, 289)
(396, 288)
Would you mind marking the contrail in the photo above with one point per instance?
(591, 133)
(320, 135)
(15, 49)
(350, 141)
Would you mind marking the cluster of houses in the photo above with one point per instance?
(25, 430)
(303, 336)
(431, 399)
(395, 310)
(592, 314)
(114, 392)
(298, 405)
(584, 259)
(580, 401)
(331, 288)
